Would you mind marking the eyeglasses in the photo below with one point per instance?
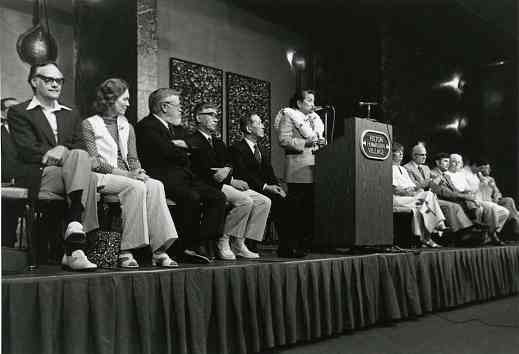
(172, 104)
(212, 114)
(48, 80)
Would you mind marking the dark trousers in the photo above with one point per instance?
(199, 215)
(300, 210)
(278, 214)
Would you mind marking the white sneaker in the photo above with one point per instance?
(77, 261)
(223, 249)
(240, 249)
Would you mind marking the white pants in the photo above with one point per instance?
(427, 214)
(249, 213)
(492, 214)
(145, 214)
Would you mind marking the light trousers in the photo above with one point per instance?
(75, 175)
(249, 213)
(145, 214)
(427, 214)
(492, 215)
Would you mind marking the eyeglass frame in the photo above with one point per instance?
(171, 104)
(49, 80)
(213, 114)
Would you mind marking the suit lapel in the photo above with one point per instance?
(246, 149)
(43, 125)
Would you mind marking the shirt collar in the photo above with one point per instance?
(207, 136)
(250, 143)
(35, 102)
(162, 121)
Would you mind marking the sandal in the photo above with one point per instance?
(162, 260)
(430, 244)
(126, 260)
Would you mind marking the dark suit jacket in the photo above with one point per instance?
(248, 169)
(33, 137)
(203, 158)
(159, 157)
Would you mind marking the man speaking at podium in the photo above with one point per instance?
(300, 132)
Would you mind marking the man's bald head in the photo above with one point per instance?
(419, 154)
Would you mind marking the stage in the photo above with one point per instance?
(243, 306)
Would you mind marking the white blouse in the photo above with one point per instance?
(401, 178)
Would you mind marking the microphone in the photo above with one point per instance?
(320, 108)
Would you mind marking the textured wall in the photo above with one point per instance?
(218, 34)
(147, 54)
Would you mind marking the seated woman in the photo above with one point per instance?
(111, 143)
(427, 215)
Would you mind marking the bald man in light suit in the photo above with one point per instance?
(420, 174)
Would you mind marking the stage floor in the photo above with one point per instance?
(243, 306)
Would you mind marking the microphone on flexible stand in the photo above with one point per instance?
(369, 104)
(326, 109)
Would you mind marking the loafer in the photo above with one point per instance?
(163, 260)
(77, 261)
(244, 252)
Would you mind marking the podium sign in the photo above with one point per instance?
(353, 187)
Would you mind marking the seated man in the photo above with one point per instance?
(491, 193)
(487, 213)
(251, 164)
(420, 174)
(161, 144)
(48, 138)
(212, 162)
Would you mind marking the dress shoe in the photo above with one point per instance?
(495, 240)
(223, 249)
(290, 253)
(77, 261)
(240, 249)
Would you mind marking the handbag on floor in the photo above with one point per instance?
(103, 248)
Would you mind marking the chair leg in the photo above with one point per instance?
(33, 253)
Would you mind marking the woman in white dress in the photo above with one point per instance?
(427, 215)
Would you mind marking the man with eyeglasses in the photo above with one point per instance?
(212, 162)
(48, 138)
(420, 174)
(164, 153)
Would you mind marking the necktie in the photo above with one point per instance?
(257, 154)
(210, 141)
(420, 168)
(171, 130)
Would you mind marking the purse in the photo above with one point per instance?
(103, 248)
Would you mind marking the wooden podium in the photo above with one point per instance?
(353, 187)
